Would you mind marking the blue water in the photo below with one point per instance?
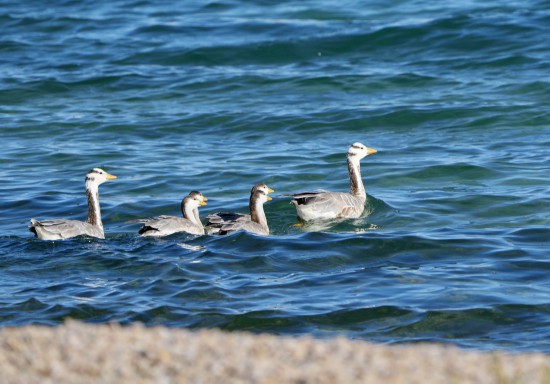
(218, 96)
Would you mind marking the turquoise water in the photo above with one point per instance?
(218, 96)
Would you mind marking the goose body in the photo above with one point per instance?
(227, 222)
(167, 225)
(58, 229)
(326, 205)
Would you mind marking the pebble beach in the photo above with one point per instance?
(109, 353)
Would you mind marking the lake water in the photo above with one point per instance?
(218, 96)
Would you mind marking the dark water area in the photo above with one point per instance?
(218, 96)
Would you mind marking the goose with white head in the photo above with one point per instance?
(168, 225)
(58, 229)
(227, 222)
(326, 205)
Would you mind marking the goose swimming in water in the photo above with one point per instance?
(167, 225)
(225, 222)
(63, 229)
(325, 205)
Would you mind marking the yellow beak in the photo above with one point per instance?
(202, 203)
(370, 151)
(109, 176)
(269, 190)
(268, 198)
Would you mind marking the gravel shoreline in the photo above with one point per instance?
(84, 353)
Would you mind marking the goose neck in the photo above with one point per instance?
(257, 213)
(94, 211)
(355, 182)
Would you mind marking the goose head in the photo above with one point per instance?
(194, 200)
(97, 176)
(359, 151)
(261, 192)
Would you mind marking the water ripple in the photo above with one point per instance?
(219, 96)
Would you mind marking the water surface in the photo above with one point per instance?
(217, 96)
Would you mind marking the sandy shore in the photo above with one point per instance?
(80, 353)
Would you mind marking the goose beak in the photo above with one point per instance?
(269, 190)
(269, 198)
(370, 151)
(203, 201)
(109, 176)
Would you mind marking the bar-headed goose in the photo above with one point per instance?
(226, 222)
(63, 229)
(167, 225)
(325, 205)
